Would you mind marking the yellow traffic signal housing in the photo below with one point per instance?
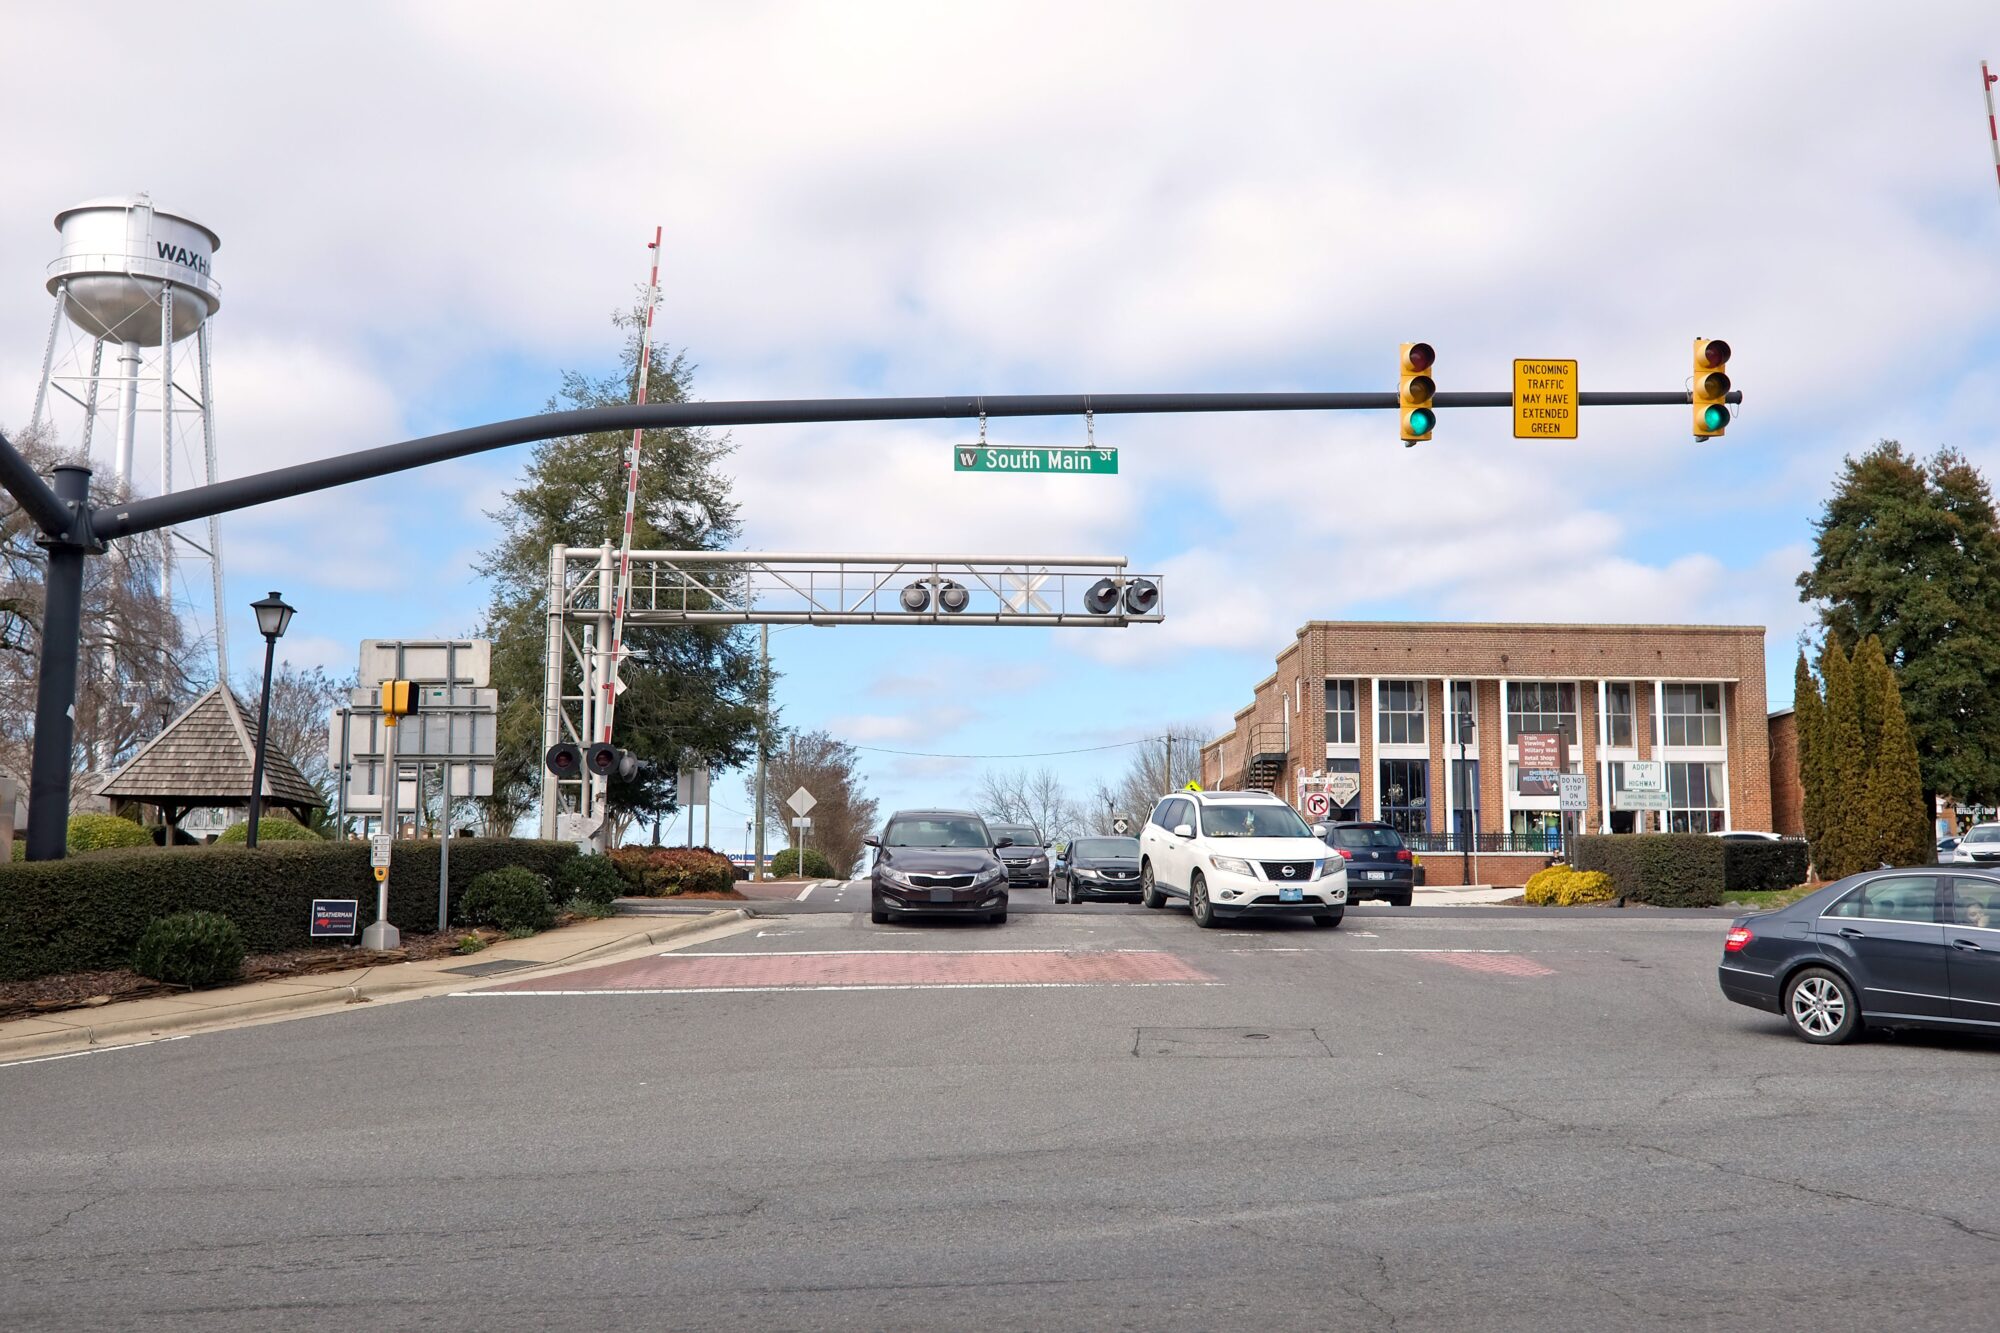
(399, 699)
(1414, 391)
(1711, 388)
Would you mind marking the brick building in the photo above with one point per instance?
(1427, 717)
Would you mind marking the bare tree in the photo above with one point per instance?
(1157, 767)
(1018, 796)
(302, 703)
(829, 769)
(138, 666)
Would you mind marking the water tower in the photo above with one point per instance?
(140, 280)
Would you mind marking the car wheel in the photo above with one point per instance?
(1149, 892)
(1329, 919)
(879, 917)
(1821, 1007)
(999, 918)
(1198, 903)
(1401, 899)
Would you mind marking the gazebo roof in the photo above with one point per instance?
(206, 757)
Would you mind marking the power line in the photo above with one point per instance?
(1032, 754)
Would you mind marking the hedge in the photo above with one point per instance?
(271, 828)
(90, 833)
(86, 913)
(1753, 866)
(662, 872)
(1664, 869)
(786, 863)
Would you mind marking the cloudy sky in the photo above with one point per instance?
(428, 211)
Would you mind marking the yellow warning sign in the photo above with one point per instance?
(381, 873)
(1544, 400)
(1192, 786)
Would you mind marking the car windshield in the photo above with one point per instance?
(963, 831)
(1022, 834)
(1984, 833)
(1252, 821)
(1105, 848)
(1366, 837)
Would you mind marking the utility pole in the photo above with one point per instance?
(763, 739)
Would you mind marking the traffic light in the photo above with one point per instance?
(1711, 387)
(1415, 390)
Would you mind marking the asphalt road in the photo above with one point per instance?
(1127, 1124)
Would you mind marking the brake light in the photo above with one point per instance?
(1738, 937)
(1345, 854)
(1402, 854)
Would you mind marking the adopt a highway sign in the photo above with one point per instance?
(1066, 460)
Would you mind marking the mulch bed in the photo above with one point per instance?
(85, 990)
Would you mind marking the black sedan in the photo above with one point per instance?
(937, 861)
(1888, 948)
(1098, 868)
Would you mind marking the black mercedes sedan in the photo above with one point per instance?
(941, 861)
(1098, 868)
(1887, 948)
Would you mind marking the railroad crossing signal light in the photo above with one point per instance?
(607, 761)
(565, 760)
(1415, 390)
(1711, 387)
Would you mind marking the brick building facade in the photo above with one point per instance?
(1391, 704)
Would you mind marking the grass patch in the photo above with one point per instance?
(1770, 900)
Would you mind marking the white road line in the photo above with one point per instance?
(872, 953)
(805, 893)
(909, 985)
(95, 1050)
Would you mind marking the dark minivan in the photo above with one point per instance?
(942, 861)
(1891, 948)
(1378, 864)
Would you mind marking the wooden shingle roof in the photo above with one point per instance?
(206, 757)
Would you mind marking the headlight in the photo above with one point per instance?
(1233, 865)
(895, 876)
(1080, 872)
(991, 873)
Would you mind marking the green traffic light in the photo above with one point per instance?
(1714, 417)
(1422, 420)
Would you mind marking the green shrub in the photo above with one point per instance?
(91, 833)
(190, 949)
(630, 863)
(1664, 869)
(469, 944)
(786, 863)
(1755, 866)
(270, 828)
(666, 871)
(594, 879)
(585, 907)
(86, 913)
(512, 898)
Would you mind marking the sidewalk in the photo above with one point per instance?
(128, 1021)
(1464, 897)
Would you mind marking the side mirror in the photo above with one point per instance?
(1183, 830)
(1319, 830)
(871, 841)
(1004, 842)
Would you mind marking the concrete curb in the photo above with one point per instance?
(121, 1032)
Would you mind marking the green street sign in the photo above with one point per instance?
(983, 458)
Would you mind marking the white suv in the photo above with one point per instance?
(1238, 853)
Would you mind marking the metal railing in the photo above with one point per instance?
(1549, 843)
(1268, 738)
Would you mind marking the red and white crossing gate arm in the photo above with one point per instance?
(1987, 79)
(631, 500)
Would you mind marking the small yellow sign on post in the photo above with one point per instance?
(381, 873)
(1544, 400)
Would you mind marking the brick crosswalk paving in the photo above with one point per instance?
(870, 969)
(1506, 965)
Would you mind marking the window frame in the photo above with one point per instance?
(1673, 691)
(1940, 883)
(1414, 721)
(1350, 715)
(1612, 717)
(1568, 725)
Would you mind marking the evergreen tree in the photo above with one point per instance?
(1871, 675)
(1895, 787)
(691, 690)
(1910, 552)
(1808, 710)
(1842, 778)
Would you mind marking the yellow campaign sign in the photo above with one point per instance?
(1544, 400)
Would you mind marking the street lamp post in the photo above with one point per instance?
(1472, 791)
(273, 617)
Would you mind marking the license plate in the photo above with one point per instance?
(1374, 874)
(1291, 895)
(940, 895)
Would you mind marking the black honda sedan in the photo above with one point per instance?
(1098, 868)
(942, 861)
(1888, 948)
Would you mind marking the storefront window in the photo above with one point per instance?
(1538, 706)
(1340, 729)
(1464, 714)
(1535, 830)
(1618, 714)
(1401, 717)
(1693, 714)
(1695, 793)
(1405, 794)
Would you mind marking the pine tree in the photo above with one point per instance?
(1842, 777)
(1871, 669)
(1896, 788)
(1808, 711)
